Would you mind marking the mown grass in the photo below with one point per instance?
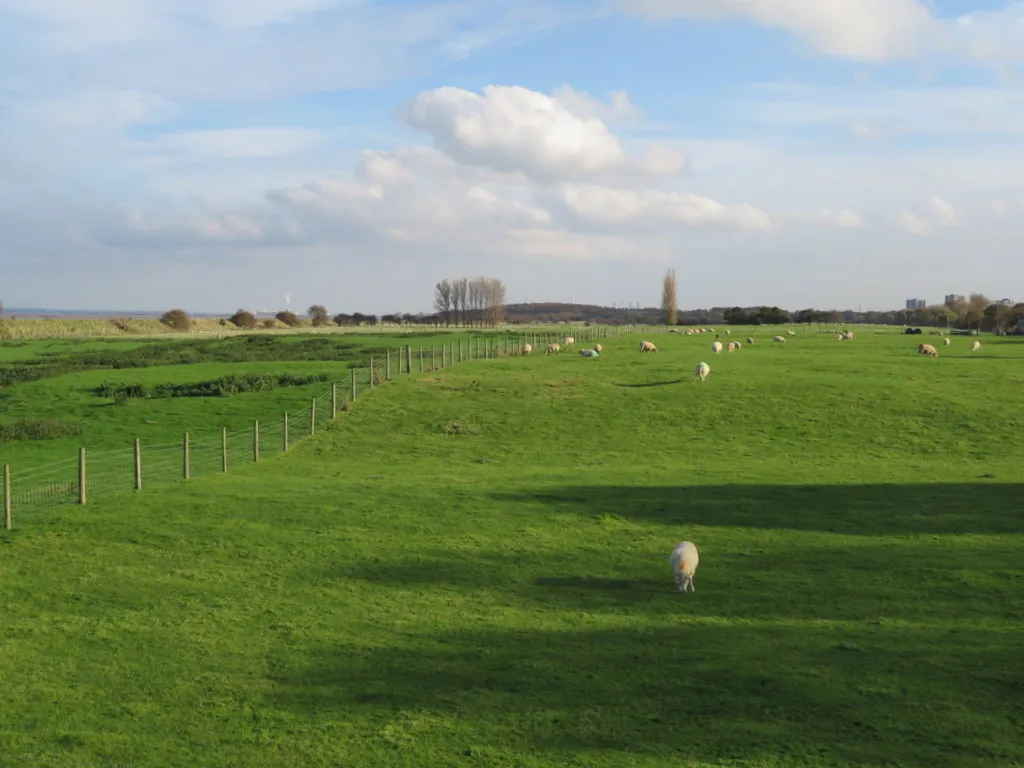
(398, 592)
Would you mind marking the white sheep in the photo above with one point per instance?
(840, 336)
(570, 340)
(728, 332)
(975, 346)
(791, 333)
(738, 345)
(716, 347)
(849, 335)
(779, 339)
(927, 349)
(750, 339)
(553, 349)
(684, 561)
(527, 349)
(702, 370)
(946, 342)
(598, 348)
(646, 346)
(731, 346)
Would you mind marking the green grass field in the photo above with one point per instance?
(470, 568)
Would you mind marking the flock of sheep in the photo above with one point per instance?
(929, 351)
(684, 557)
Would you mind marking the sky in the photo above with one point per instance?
(223, 154)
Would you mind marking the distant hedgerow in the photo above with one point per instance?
(222, 387)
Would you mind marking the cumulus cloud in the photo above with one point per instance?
(868, 30)
(943, 212)
(865, 30)
(915, 225)
(514, 129)
(609, 206)
(585, 106)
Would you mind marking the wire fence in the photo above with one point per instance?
(99, 474)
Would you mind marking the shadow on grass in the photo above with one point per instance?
(745, 693)
(870, 510)
(651, 384)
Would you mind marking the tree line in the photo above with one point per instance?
(468, 301)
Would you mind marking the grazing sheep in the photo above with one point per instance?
(927, 349)
(702, 370)
(589, 353)
(731, 346)
(684, 561)
(716, 347)
(646, 346)
(779, 339)
(975, 346)
(840, 336)
(570, 340)
(750, 339)
(598, 348)
(946, 342)
(728, 332)
(738, 345)
(527, 349)
(553, 349)
(791, 333)
(849, 335)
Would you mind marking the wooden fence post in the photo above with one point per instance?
(334, 401)
(7, 496)
(433, 363)
(137, 455)
(284, 441)
(255, 442)
(81, 475)
(371, 371)
(444, 352)
(421, 359)
(185, 459)
(460, 350)
(353, 385)
(312, 417)
(223, 449)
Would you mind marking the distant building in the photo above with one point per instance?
(953, 298)
(1005, 302)
(916, 303)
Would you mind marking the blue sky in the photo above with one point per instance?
(216, 154)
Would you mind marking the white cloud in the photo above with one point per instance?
(586, 107)
(514, 129)
(238, 142)
(943, 212)
(605, 205)
(999, 207)
(915, 225)
(865, 30)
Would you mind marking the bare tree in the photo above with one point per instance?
(669, 300)
(460, 294)
(443, 296)
(466, 302)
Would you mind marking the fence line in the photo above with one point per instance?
(142, 466)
